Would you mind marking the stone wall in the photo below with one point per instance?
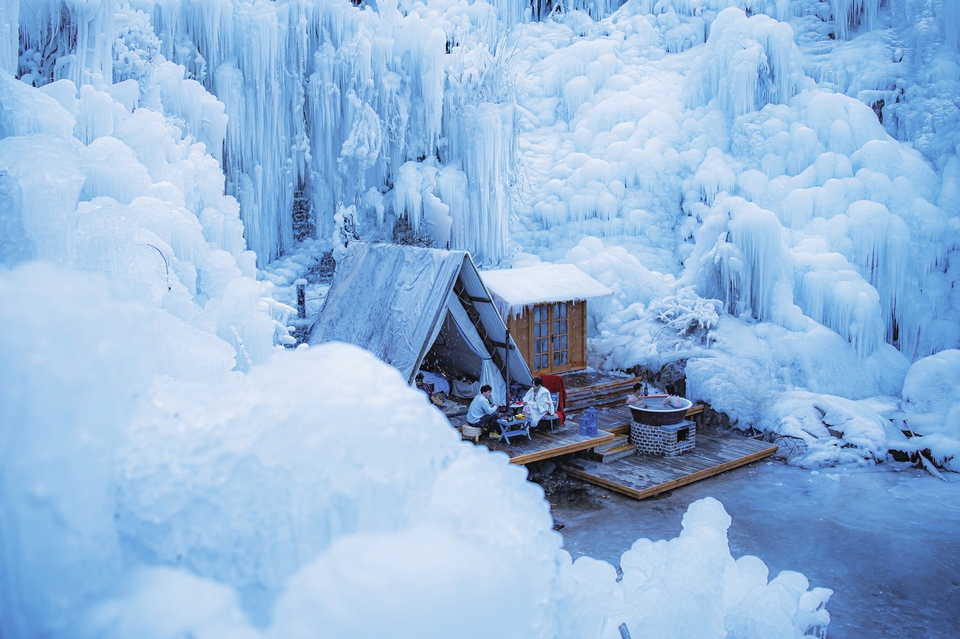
(664, 440)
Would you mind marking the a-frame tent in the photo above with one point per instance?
(403, 302)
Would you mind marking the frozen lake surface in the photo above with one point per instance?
(886, 539)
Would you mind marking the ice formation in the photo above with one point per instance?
(770, 189)
(162, 495)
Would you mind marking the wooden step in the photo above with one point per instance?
(626, 384)
(642, 476)
(599, 391)
(615, 443)
(613, 454)
(600, 396)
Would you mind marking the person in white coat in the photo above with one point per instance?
(539, 402)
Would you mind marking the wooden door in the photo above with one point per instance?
(551, 338)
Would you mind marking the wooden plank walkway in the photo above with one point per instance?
(642, 476)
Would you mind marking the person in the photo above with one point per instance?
(539, 402)
(422, 385)
(437, 399)
(672, 401)
(482, 411)
(636, 397)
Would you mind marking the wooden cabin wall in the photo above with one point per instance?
(577, 315)
(521, 328)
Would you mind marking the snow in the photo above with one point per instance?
(518, 289)
(191, 499)
(768, 190)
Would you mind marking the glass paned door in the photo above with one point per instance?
(550, 338)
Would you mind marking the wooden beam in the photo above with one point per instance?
(474, 315)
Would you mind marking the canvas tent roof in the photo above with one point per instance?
(395, 301)
(517, 289)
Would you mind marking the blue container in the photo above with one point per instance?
(588, 422)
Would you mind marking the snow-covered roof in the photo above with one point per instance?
(516, 289)
(391, 300)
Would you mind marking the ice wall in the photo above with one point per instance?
(849, 15)
(327, 102)
(747, 62)
(855, 214)
(67, 39)
(93, 182)
(9, 37)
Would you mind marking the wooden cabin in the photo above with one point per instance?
(545, 309)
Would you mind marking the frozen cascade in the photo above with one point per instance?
(9, 35)
(64, 39)
(326, 101)
(831, 291)
(740, 258)
(850, 15)
(129, 195)
(880, 249)
(747, 63)
(481, 136)
(951, 23)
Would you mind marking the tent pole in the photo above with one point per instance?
(506, 365)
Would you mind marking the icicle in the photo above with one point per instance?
(713, 176)
(951, 23)
(9, 35)
(482, 138)
(829, 290)
(848, 15)
(880, 249)
(739, 258)
(576, 92)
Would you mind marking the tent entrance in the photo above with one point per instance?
(458, 353)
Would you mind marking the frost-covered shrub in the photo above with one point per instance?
(687, 313)
(137, 47)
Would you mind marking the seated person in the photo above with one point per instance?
(422, 385)
(437, 399)
(636, 397)
(539, 402)
(482, 411)
(672, 400)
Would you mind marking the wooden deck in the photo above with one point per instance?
(544, 445)
(642, 476)
(566, 439)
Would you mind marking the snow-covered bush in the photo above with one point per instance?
(687, 313)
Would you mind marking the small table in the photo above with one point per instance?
(511, 427)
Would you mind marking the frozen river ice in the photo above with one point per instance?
(886, 539)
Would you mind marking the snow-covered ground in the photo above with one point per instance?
(169, 170)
